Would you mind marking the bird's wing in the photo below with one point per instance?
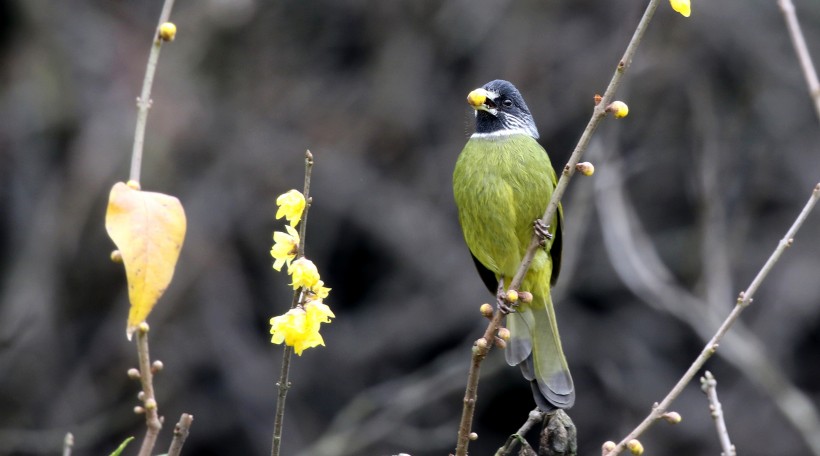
(557, 245)
(487, 276)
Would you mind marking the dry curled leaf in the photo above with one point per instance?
(148, 229)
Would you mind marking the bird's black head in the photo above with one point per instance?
(499, 108)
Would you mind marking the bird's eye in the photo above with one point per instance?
(507, 103)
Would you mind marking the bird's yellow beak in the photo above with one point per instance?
(478, 99)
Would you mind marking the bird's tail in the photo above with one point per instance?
(535, 346)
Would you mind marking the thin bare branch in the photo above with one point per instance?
(152, 419)
(640, 267)
(709, 386)
(181, 431)
(598, 114)
(144, 100)
(743, 301)
(802, 50)
(68, 444)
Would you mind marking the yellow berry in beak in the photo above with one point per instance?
(477, 98)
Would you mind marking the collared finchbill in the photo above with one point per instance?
(503, 180)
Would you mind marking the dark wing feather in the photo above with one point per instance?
(487, 276)
(557, 245)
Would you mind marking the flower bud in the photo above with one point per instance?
(585, 168)
(151, 404)
(486, 310)
(504, 334)
(608, 446)
(512, 296)
(139, 410)
(618, 108)
(473, 436)
(525, 297)
(143, 327)
(167, 31)
(501, 343)
(133, 373)
(635, 447)
(116, 256)
(133, 184)
(672, 417)
(156, 366)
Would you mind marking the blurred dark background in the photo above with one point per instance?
(691, 194)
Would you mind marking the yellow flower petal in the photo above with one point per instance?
(288, 327)
(311, 339)
(291, 205)
(304, 273)
(285, 247)
(320, 290)
(318, 312)
(299, 327)
(682, 6)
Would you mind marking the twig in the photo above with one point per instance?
(743, 301)
(709, 386)
(181, 430)
(536, 416)
(144, 100)
(480, 350)
(284, 384)
(152, 419)
(640, 267)
(308, 201)
(68, 444)
(799, 42)
(598, 114)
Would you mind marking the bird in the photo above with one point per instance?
(502, 182)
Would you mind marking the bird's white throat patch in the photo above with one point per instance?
(500, 133)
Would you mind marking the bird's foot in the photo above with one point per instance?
(542, 230)
(502, 302)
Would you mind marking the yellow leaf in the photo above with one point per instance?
(148, 229)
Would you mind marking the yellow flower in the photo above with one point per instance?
(295, 330)
(318, 312)
(285, 247)
(299, 327)
(291, 205)
(682, 6)
(304, 273)
(320, 290)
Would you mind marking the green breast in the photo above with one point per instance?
(501, 186)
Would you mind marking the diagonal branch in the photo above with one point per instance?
(743, 301)
(598, 115)
(639, 266)
(802, 50)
